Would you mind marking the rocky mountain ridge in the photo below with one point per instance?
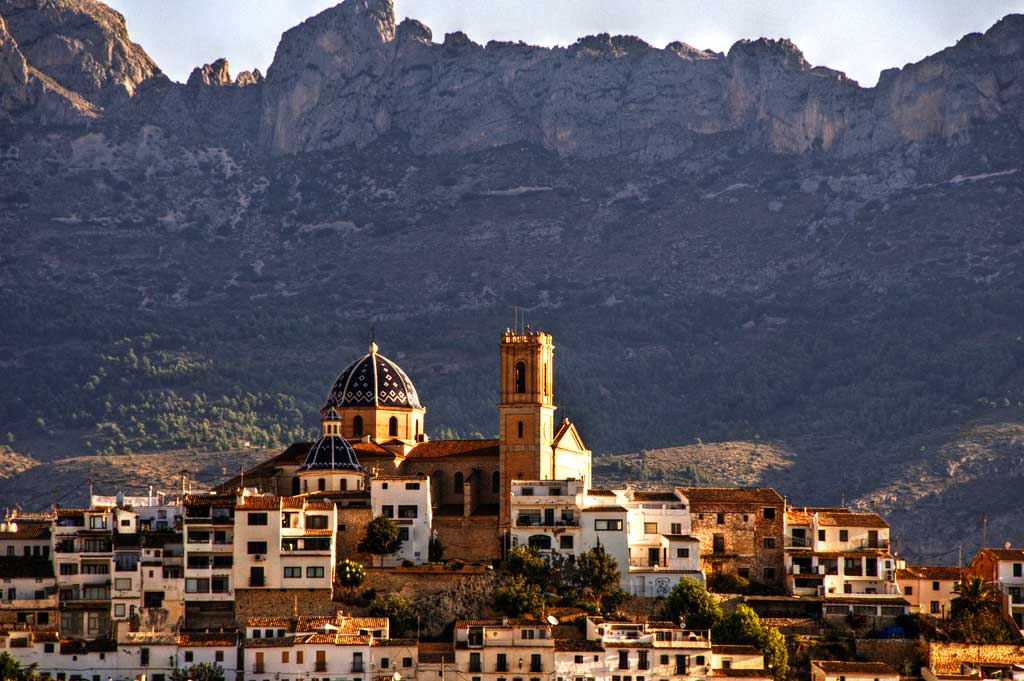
(729, 248)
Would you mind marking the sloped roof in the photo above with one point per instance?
(842, 667)
(433, 449)
(765, 495)
(1004, 554)
(850, 519)
(934, 572)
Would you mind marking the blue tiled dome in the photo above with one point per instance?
(373, 380)
(331, 453)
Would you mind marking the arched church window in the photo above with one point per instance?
(457, 483)
(295, 486)
(393, 426)
(495, 482)
(520, 377)
(357, 426)
(321, 484)
(519, 428)
(344, 484)
(417, 426)
(547, 384)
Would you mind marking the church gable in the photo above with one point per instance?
(568, 439)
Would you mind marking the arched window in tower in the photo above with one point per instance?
(321, 484)
(357, 426)
(495, 482)
(519, 429)
(417, 426)
(547, 384)
(393, 426)
(344, 484)
(457, 484)
(295, 487)
(520, 377)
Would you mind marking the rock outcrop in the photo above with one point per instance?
(29, 96)
(82, 45)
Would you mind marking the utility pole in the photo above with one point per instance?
(959, 555)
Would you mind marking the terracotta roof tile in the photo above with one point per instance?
(207, 640)
(271, 642)
(267, 622)
(947, 658)
(849, 519)
(260, 503)
(568, 645)
(655, 495)
(433, 449)
(1004, 554)
(604, 509)
(741, 673)
(734, 650)
(933, 572)
(600, 493)
(840, 667)
(761, 495)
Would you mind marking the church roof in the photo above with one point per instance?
(432, 449)
(373, 380)
(331, 453)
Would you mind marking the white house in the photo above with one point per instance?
(406, 500)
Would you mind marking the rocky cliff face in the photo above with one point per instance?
(347, 76)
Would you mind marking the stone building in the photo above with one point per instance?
(740, 531)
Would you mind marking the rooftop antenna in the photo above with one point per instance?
(515, 316)
(984, 530)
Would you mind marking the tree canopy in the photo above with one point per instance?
(692, 603)
(381, 538)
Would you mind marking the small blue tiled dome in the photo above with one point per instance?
(331, 453)
(373, 380)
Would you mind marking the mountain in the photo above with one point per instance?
(755, 270)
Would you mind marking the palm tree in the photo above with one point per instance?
(973, 596)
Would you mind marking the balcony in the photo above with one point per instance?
(257, 581)
(357, 667)
(475, 667)
(880, 544)
(794, 542)
(501, 667)
(806, 571)
(536, 667)
(540, 522)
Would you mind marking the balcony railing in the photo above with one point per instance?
(540, 522)
(257, 581)
(794, 542)
(357, 667)
(536, 667)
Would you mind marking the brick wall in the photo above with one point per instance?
(744, 530)
(282, 603)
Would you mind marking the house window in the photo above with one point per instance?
(357, 426)
(520, 377)
(677, 528)
(769, 513)
(643, 662)
(189, 656)
(909, 591)
(1018, 569)
(403, 533)
(844, 535)
(579, 659)
(718, 543)
(623, 659)
(408, 511)
(650, 528)
(682, 553)
(935, 607)
(119, 610)
(316, 522)
(565, 542)
(412, 485)
(406, 662)
(257, 518)
(144, 657)
(519, 429)
(218, 656)
(315, 571)
(292, 572)
(821, 535)
(769, 542)
(256, 547)
(720, 519)
(607, 524)
(769, 574)
(284, 656)
(387, 510)
(935, 586)
(385, 663)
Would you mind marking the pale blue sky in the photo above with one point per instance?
(860, 38)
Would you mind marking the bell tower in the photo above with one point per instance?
(526, 411)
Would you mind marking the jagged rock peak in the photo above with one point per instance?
(768, 48)
(412, 30)
(246, 78)
(217, 74)
(82, 45)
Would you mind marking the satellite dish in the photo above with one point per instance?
(552, 620)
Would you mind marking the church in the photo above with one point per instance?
(373, 424)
